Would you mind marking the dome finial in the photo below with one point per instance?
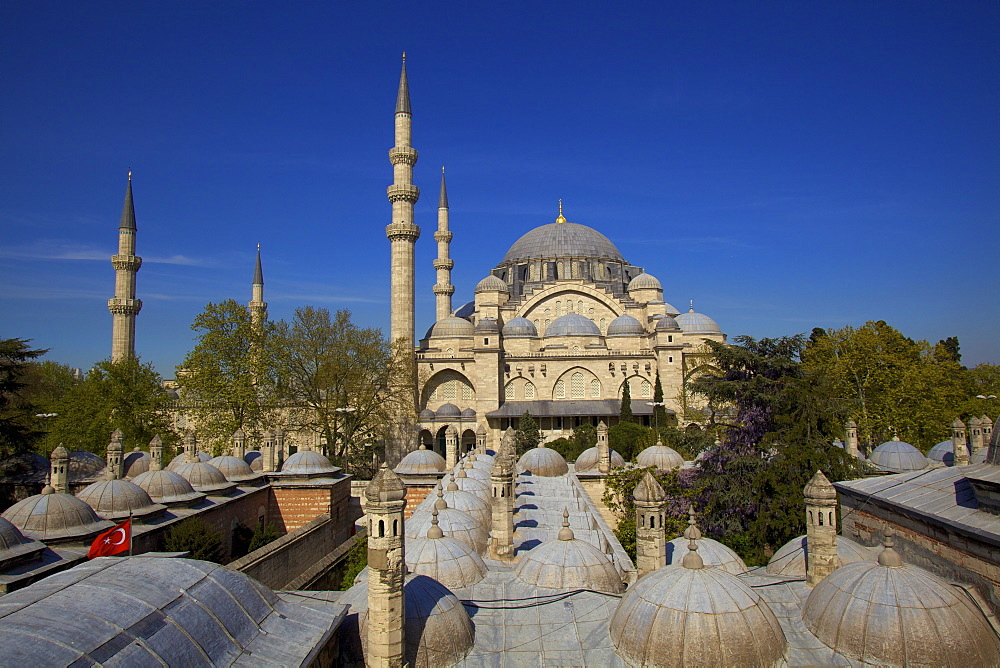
(692, 306)
(452, 486)
(434, 531)
(440, 504)
(692, 532)
(565, 533)
(692, 559)
(889, 556)
(561, 218)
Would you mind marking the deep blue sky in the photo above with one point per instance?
(786, 165)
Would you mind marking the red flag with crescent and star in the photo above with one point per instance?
(113, 541)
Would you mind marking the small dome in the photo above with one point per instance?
(572, 324)
(480, 473)
(713, 554)
(520, 328)
(469, 413)
(891, 613)
(703, 613)
(480, 488)
(118, 499)
(13, 545)
(49, 517)
(644, 281)
(308, 462)
(471, 504)
(661, 457)
(234, 468)
(136, 463)
(589, 459)
(451, 562)
(448, 410)
(625, 325)
(944, 452)
(487, 326)
(426, 415)
(491, 284)
(897, 456)
(790, 559)
(667, 324)
(421, 461)
(451, 327)
(83, 465)
(181, 459)
(205, 478)
(454, 523)
(697, 323)
(167, 487)
(544, 462)
(568, 563)
(254, 459)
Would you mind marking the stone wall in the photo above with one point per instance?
(280, 562)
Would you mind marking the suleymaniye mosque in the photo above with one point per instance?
(477, 556)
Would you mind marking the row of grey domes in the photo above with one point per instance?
(447, 412)
(572, 324)
(643, 281)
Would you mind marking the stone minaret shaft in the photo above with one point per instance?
(257, 305)
(650, 541)
(124, 306)
(503, 501)
(821, 529)
(402, 231)
(386, 497)
(443, 289)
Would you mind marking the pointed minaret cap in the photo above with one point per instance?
(434, 531)
(443, 197)
(889, 556)
(819, 487)
(128, 209)
(958, 424)
(403, 98)
(649, 490)
(258, 272)
(385, 486)
(565, 533)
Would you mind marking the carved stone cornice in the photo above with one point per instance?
(403, 193)
(443, 264)
(120, 306)
(126, 262)
(402, 232)
(403, 155)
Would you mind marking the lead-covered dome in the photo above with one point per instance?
(119, 499)
(572, 324)
(167, 487)
(625, 325)
(590, 458)
(451, 327)
(234, 468)
(713, 554)
(568, 563)
(644, 281)
(451, 562)
(491, 284)
(544, 462)
(52, 517)
(136, 462)
(697, 323)
(421, 461)
(14, 547)
(205, 478)
(454, 523)
(562, 240)
(520, 328)
(667, 323)
(661, 457)
(448, 410)
(943, 452)
(898, 456)
(790, 559)
(487, 326)
(308, 462)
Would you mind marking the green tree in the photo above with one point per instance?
(126, 395)
(229, 378)
(660, 419)
(193, 535)
(357, 559)
(629, 439)
(18, 426)
(626, 409)
(263, 534)
(527, 435)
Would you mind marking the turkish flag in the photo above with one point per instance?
(113, 541)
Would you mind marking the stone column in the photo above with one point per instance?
(958, 445)
(502, 501)
(821, 529)
(650, 542)
(59, 470)
(156, 453)
(386, 500)
(987, 426)
(975, 435)
(114, 456)
(851, 438)
(450, 447)
(603, 449)
(239, 443)
(267, 452)
(190, 447)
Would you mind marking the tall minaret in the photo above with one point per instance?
(402, 232)
(257, 305)
(443, 289)
(124, 306)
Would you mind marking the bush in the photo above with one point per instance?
(195, 536)
(629, 439)
(357, 559)
(262, 535)
(565, 447)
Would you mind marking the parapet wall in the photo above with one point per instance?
(280, 562)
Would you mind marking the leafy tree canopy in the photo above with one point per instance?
(18, 426)
(527, 435)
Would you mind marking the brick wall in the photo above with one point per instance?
(294, 505)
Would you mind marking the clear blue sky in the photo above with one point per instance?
(787, 165)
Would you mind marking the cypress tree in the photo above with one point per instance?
(626, 411)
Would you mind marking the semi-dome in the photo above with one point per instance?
(898, 456)
(572, 324)
(234, 468)
(451, 327)
(421, 461)
(52, 517)
(119, 499)
(667, 324)
(205, 478)
(544, 462)
(713, 554)
(887, 612)
(625, 325)
(562, 240)
(136, 462)
(308, 462)
(14, 546)
(661, 457)
(451, 562)
(568, 563)
(487, 326)
(644, 281)
(519, 328)
(688, 614)
(167, 487)
(448, 410)
(790, 559)
(491, 284)
(590, 458)
(697, 323)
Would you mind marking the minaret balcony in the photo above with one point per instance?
(402, 155)
(444, 264)
(403, 193)
(402, 232)
(442, 236)
(126, 262)
(122, 306)
(444, 289)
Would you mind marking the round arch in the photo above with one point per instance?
(576, 383)
(559, 289)
(447, 386)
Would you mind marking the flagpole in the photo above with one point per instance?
(130, 533)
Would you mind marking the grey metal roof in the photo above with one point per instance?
(663, 457)
(644, 281)
(49, 517)
(119, 499)
(258, 271)
(590, 458)
(421, 461)
(205, 478)
(136, 462)
(712, 552)
(897, 457)
(697, 323)
(451, 326)
(625, 325)
(308, 462)
(519, 328)
(492, 283)
(543, 462)
(403, 96)
(790, 559)
(234, 468)
(562, 240)
(570, 407)
(128, 209)
(572, 324)
(449, 561)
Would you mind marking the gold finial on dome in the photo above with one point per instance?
(561, 218)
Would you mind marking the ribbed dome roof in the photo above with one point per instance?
(454, 523)
(891, 613)
(478, 487)
(421, 461)
(118, 499)
(713, 553)
(14, 545)
(234, 468)
(471, 504)
(562, 240)
(255, 459)
(83, 464)
(48, 517)
(898, 456)
(181, 459)
(487, 326)
(589, 459)
(667, 323)
(644, 281)
(167, 487)
(448, 410)
(678, 616)
(451, 327)
(568, 563)
(544, 462)
(491, 284)
(205, 478)
(451, 562)
(944, 452)
(572, 324)
(308, 462)
(426, 415)
(136, 463)
(519, 328)
(625, 325)
(662, 457)
(469, 413)
(790, 559)
(697, 323)
(473, 472)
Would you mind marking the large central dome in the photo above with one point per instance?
(562, 240)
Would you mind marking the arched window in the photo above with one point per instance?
(529, 391)
(558, 309)
(604, 326)
(508, 392)
(645, 390)
(381, 528)
(395, 527)
(579, 306)
(569, 305)
(595, 389)
(560, 390)
(576, 386)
